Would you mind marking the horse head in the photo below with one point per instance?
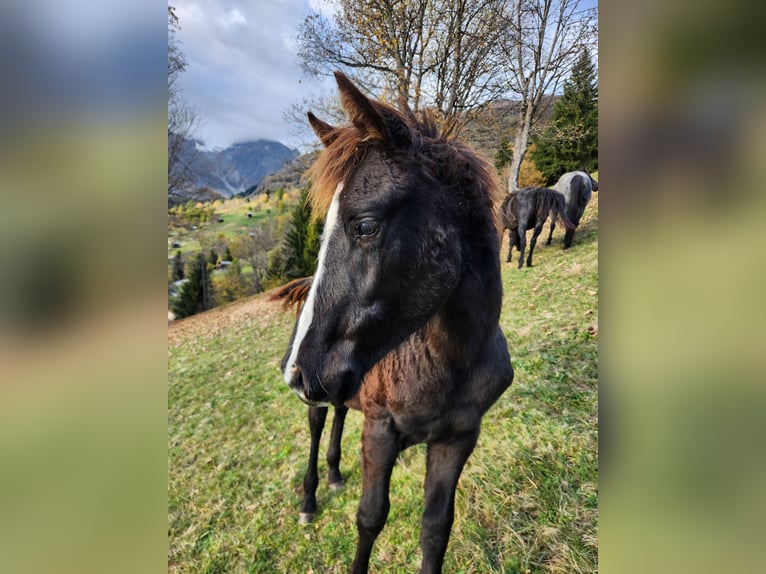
(390, 253)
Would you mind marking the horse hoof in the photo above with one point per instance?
(336, 486)
(305, 517)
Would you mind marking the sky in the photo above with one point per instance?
(243, 69)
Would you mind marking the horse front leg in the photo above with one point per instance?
(444, 463)
(380, 447)
(510, 245)
(533, 241)
(317, 416)
(333, 451)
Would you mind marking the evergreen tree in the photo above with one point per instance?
(227, 256)
(503, 155)
(213, 257)
(570, 142)
(197, 293)
(178, 266)
(301, 247)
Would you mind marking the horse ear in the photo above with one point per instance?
(324, 131)
(359, 108)
(371, 118)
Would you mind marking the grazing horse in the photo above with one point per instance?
(402, 316)
(577, 188)
(528, 208)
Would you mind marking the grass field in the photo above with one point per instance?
(527, 499)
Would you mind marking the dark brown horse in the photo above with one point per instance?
(401, 319)
(528, 208)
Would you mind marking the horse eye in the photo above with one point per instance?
(367, 228)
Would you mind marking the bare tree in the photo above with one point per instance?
(324, 105)
(182, 118)
(440, 54)
(465, 59)
(453, 55)
(542, 40)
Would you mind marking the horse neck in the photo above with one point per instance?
(468, 320)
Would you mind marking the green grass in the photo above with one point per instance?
(527, 499)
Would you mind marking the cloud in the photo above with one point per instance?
(243, 68)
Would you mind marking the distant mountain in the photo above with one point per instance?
(289, 176)
(233, 170)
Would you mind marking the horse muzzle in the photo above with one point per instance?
(316, 390)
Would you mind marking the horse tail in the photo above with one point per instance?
(293, 294)
(508, 212)
(513, 210)
(504, 211)
(558, 207)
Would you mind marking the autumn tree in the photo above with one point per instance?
(440, 54)
(542, 39)
(570, 142)
(231, 286)
(254, 248)
(451, 56)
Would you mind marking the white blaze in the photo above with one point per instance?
(307, 313)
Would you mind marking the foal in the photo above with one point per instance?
(401, 319)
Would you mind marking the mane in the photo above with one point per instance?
(447, 159)
(293, 294)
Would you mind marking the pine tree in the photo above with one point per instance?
(227, 256)
(197, 293)
(178, 266)
(503, 155)
(213, 257)
(570, 142)
(301, 247)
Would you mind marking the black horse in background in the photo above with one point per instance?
(577, 188)
(528, 208)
